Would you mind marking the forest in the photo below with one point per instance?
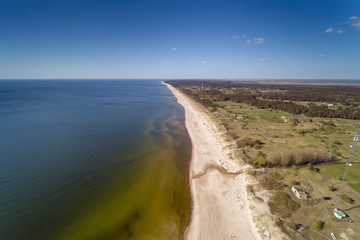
(320, 100)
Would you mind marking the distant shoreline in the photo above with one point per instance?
(310, 82)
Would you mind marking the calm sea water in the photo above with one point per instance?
(92, 159)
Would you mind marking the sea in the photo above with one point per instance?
(92, 159)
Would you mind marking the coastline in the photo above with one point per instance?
(219, 202)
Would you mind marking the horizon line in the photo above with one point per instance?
(229, 79)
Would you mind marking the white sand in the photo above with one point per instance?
(220, 209)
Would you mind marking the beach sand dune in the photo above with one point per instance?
(218, 189)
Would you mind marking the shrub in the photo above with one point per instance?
(277, 175)
(250, 171)
(301, 131)
(261, 162)
(310, 166)
(257, 144)
(249, 142)
(313, 130)
(318, 225)
(347, 199)
(329, 123)
(250, 188)
(232, 135)
(292, 225)
(298, 157)
(261, 154)
(337, 153)
(270, 182)
(292, 181)
(282, 205)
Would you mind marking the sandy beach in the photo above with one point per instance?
(220, 209)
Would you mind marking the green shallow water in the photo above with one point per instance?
(150, 200)
(92, 159)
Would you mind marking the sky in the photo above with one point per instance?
(172, 39)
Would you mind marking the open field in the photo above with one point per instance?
(268, 127)
(337, 171)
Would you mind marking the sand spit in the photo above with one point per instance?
(220, 208)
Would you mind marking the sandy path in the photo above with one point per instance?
(219, 201)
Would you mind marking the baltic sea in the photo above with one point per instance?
(92, 159)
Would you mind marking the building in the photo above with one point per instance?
(299, 193)
(285, 119)
(240, 117)
(339, 214)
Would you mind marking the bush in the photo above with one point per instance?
(250, 188)
(277, 175)
(298, 157)
(260, 154)
(329, 123)
(292, 225)
(310, 166)
(261, 162)
(282, 205)
(249, 142)
(270, 182)
(250, 171)
(318, 225)
(257, 144)
(301, 131)
(336, 142)
(292, 181)
(347, 199)
(232, 135)
(313, 130)
(337, 153)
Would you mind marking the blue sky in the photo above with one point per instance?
(285, 39)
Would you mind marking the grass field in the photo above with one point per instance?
(268, 127)
(331, 136)
(337, 171)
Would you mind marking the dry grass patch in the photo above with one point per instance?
(271, 182)
(298, 157)
(282, 205)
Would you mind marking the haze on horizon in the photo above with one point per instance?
(278, 39)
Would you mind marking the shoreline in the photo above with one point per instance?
(219, 204)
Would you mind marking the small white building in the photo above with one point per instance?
(339, 214)
(285, 119)
(299, 193)
(240, 117)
